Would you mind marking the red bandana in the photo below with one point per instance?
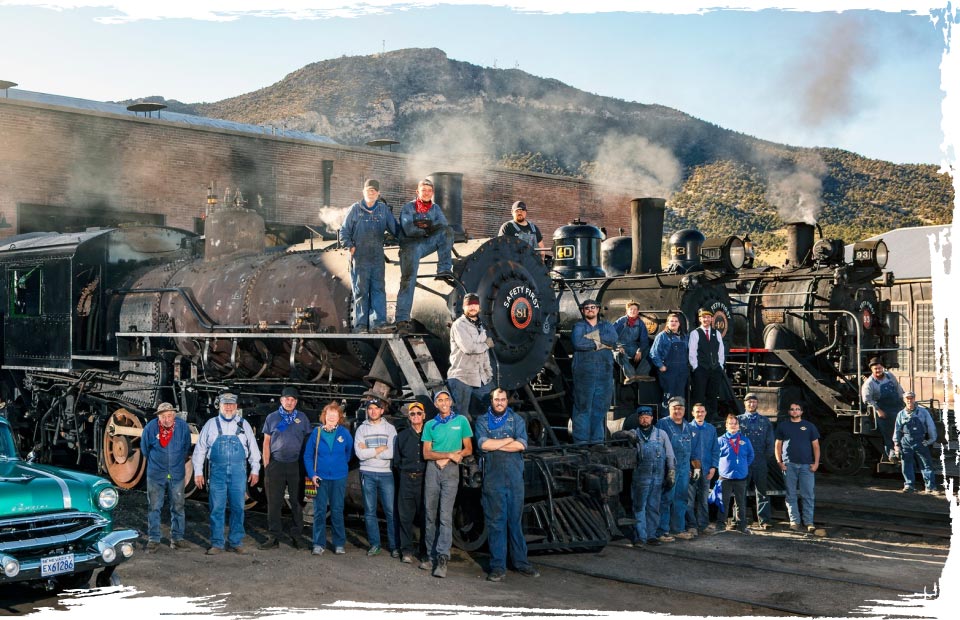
(632, 322)
(166, 434)
(735, 443)
(422, 207)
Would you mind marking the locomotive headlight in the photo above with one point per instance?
(870, 254)
(727, 253)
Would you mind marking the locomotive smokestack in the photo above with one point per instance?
(646, 228)
(799, 244)
(448, 193)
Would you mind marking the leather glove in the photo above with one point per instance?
(422, 224)
(670, 479)
(631, 437)
(695, 475)
(490, 343)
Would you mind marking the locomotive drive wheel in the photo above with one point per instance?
(469, 526)
(842, 453)
(122, 459)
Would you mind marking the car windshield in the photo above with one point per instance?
(7, 448)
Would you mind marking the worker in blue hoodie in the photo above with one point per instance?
(736, 455)
(704, 460)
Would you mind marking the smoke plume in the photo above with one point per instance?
(648, 168)
(796, 190)
(452, 144)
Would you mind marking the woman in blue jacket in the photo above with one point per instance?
(736, 455)
(327, 457)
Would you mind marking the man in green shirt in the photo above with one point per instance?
(446, 440)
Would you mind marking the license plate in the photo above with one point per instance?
(57, 565)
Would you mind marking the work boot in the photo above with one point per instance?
(497, 575)
(214, 551)
(180, 545)
(317, 550)
(907, 489)
(239, 550)
(404, 327)
(684, 536)
(710, 529)
(427, 564)
(796, 527)
(666, 538)
(529, 570)
(811, 529)
(270, 543)
(441, 569)
(407, 558)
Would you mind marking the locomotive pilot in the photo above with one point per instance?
(227, 440)
(362, 234)
(502, 438)
(706, 358)
(424, 230)
(882, 391)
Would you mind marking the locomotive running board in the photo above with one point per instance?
(573, 523)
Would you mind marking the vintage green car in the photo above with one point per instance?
(56, 525)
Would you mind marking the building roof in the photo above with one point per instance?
(909, 249)
(175, 117)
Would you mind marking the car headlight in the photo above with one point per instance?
(107, 498)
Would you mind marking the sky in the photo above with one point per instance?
(862, 79)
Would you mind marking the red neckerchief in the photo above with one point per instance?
(632, 322)
(166, 434)
(734, 443)
(422, 207)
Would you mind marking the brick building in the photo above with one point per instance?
(66, 164)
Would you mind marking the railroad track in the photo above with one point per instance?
(935, 523)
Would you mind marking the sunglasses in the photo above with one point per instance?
(416, 412)
(590, 307)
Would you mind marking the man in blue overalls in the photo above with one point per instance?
(593, 340)
(913, 434)
(655, 471)
(881, 391)
(228, 441)
(669, 355)
(362, 234)
(502, 438)
(424, 230)
(673, 501)
(758, 429)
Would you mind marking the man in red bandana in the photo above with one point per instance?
(424, 230)
(736, 455)
(165, 444)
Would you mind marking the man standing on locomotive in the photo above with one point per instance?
(165, 445)
(284, 433)
(470, 373)
(797, 450)
(673, 501)
(633, 345)
(758, 429)
(593, 340)
(522, 228)
(706, 357)
(882, 391)
(502, 436)
(424, 230)
(446, 441)
(913, 434)
(669, 355)
(362, 234)
(231, 446)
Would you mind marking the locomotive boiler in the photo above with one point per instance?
(805, 332)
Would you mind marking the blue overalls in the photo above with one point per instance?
(911, 448)
(592, 381)
(503, 492)
(890, 401)
(670, 350)
(673, 503)
(363, 229)
(415, 243)
(228, 486)
(647, 484)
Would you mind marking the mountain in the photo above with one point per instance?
(716, 179)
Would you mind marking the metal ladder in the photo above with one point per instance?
(415, 362)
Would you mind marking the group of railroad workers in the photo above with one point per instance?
(414, 475)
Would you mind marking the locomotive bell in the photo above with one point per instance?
(616, 254)
(576, 251)
(685, 250)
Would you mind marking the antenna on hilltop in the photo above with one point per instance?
(494, 63)
(383, 48)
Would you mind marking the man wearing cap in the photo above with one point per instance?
(228, 441)
(705, 458)
(882, 392)
(424, 230)
(408, 461)
(655, 471)
(673, 501)
(706, 357)
(502, 438)
(284, 433)
(913, 434)
(373, 444)
(758, 429)
(165, 445)
(797, 449)
(470, 373)
(633, 345)
(446, 441)
(362, 234)
(522, 228)
(593, 340)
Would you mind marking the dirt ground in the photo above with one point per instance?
(289, 578)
